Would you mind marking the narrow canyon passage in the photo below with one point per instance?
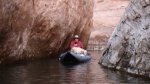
(36, 29)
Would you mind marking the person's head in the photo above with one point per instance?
(76, 38)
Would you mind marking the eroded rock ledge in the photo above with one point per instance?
(32, 29)
(128, 48)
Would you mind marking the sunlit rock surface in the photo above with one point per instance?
(128, 48)
(106, 14)
(32, 29)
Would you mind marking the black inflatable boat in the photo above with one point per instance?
(74, 57)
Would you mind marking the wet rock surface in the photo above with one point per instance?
(32, 29)
(128, 48)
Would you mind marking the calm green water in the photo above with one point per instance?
(50, 71)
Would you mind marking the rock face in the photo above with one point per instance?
(32, 29)
(128, 48)
(106, 15)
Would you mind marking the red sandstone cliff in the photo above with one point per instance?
(106, 15)
(32, 29)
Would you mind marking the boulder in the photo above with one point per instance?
(128, 48)
(31, 29)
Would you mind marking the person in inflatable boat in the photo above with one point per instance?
(77, 46)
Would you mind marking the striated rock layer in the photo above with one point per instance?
(128, 48)
(106, 14)
(32, 29)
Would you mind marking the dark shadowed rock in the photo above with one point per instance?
(128, 48)
(32, 29)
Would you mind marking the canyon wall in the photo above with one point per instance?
(106, 14)
(32, 29)
(128, 48)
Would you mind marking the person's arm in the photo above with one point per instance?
(81, 45)
(72, 44)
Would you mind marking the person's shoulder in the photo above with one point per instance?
(80, 41)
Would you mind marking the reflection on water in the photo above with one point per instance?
(50, 71)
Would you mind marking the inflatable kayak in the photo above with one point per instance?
(74, 57)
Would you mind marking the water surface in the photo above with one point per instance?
(50, 71)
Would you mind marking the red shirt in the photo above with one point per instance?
(76, 44)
